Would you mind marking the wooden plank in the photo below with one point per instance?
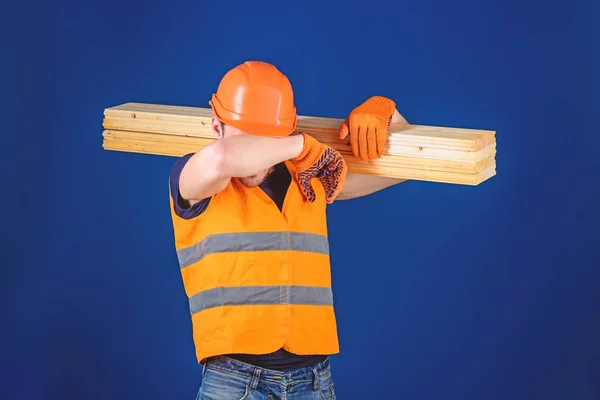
(386, 166)
(403, 151)
(159, 111)
(401, 173)
(195, 121)
(399, 135)
(416, 152)
(193, 144)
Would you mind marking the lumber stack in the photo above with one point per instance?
(415, 152)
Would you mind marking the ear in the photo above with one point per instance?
(217, 128)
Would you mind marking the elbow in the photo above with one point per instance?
(203, 170)
(219, 158)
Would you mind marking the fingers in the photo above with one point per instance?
(363, 143)
(336, 182)
(332, 174)
(362, 138)
(369, 140)
(354, 135)
(310, 194)
(382, 133)
(367, 137)
(344, 129)
(307, 190)
(373, 142)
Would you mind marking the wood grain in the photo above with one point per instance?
(417, 152)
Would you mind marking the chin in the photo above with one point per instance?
(255, 180)
(250, 182)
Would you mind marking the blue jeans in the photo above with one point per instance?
(224, 378)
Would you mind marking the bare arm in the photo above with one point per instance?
(359, 185)
(209, 170)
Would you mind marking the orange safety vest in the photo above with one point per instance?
(258, 278)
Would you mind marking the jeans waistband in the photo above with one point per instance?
(227, 364)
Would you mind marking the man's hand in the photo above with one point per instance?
(368, 127)
(359, 185)
(320, 161)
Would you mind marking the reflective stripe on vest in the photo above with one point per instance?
(260, 295)
(253, 241)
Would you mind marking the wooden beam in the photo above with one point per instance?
(416, 152)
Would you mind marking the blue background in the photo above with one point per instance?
(442, 291)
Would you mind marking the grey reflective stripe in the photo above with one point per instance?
(253, 241)
(260, 295)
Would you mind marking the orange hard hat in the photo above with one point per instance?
(256, 98)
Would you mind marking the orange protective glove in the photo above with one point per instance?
(320, 161)
(368, 127)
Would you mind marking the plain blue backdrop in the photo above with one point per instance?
(442, 291)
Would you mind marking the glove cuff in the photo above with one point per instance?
(309, 154)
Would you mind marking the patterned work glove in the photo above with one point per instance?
(368, 127)
(320, 161)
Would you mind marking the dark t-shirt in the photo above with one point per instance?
(275, 186)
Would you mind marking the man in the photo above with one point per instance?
(251, 236)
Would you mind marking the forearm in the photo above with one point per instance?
(359, 185)
(246, 155)
(210, 169)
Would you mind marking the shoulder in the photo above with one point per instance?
(180, 206)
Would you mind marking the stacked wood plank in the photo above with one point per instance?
(415, 152)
